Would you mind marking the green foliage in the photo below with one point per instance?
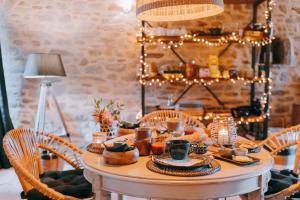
(113, 107)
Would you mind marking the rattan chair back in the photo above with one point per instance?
(278, 142)
(161, 116)
(22, 149)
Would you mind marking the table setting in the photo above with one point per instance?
(174, 152)
(178, 150)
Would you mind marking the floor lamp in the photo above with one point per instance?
(48, 68)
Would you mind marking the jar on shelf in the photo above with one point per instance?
(213, 64)
(204, 72)
(190, 69)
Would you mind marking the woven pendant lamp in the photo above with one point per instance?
(177, 10)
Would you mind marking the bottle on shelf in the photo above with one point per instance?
(190, 69)
(204, 72)
(213, 64)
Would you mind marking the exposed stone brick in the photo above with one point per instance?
(97, 42)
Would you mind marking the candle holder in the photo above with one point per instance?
(99, 137)
(223, 130)
(97, 144)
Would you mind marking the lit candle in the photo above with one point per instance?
(158, 148)
(223, 137)
(99, 138)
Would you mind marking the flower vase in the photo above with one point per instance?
(110, 130)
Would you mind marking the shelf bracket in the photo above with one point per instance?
(177, 55)
(221, 103)
(224, 50)
(183, 93)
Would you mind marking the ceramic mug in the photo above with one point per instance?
(179, 149)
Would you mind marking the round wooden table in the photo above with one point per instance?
(137, 181)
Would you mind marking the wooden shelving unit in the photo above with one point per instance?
(251, 121)
(160, 79)
(228, 37)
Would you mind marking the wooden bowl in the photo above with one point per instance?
(120, 158)
(125, 131)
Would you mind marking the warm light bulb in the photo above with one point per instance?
(127, 5)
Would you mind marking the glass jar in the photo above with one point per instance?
(158, 146)
(190, 69)
(143, 140)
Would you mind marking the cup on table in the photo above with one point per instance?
(173, 124)
(179, 149)
(158, 146)
(143, 140)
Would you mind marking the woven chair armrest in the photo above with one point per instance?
(62, 148)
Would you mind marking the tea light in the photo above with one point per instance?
(223, 137)
(99, 137)
(158, 148)
(223, 130)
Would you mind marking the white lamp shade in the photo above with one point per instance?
(177, 10)
(42, 65)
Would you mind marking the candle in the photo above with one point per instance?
(223, 137)
(158, 148)
(99, 137)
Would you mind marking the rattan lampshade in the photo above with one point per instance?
(177, 10)
(42, 65)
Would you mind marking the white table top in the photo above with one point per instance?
(138, 172)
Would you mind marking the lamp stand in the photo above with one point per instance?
(41, 112)
(49, 102)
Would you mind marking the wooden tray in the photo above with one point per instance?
(255, 160)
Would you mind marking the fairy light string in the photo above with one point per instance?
(217, 41)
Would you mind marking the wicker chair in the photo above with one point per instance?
(278, 142)
(157, 117)
(22, 149)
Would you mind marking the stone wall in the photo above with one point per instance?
(97, 42)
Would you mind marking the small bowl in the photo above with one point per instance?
(226, 153)
(120, 158)
(240, 152)
(200, 148)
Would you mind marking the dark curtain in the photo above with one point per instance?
(5, 120)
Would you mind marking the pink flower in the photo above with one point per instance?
(107, 118)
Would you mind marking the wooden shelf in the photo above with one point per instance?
(239, 120)
(160, 79)
(167, 39)
(205, 40)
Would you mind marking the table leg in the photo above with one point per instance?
(102, 195)
(119, 197)
(263, 184)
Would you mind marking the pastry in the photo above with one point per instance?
(242, 158)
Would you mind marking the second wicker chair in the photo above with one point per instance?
(276, 143)
(161, 116)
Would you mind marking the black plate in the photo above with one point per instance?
(255, 160)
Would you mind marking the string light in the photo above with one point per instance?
(202, 40)
(217, 41)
